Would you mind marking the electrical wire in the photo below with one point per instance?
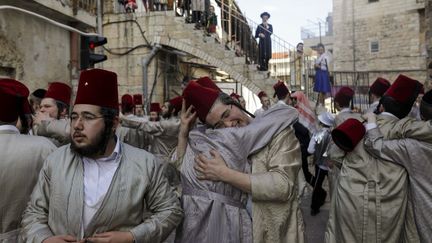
(48, 20)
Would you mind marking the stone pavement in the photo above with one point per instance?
(315, 225)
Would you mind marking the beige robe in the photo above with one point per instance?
(275, 204)
(22, 157)
(415, 156)
(139, 199)
(370, 202)
(162, 135)
(58, 131)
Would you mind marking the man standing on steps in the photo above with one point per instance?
(264, 32)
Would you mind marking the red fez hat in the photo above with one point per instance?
(262, 94)
(201, 98)
(208, 83)
(280, 89)
(137, 99)
(155, 107)
(348, 134)
(344, 96)
(13, 96)
(126, 99)
(176, 103)
(98, 87)
(404, 90)
(380, 86)
(59, 92)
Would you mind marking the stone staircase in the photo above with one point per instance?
(184, 37)
(171, 32)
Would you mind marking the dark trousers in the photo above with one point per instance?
(263, 64)
(319, 194)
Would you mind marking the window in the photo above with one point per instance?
(374, 46)
(373, 1)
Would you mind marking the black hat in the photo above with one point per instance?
(39, 93)
(264, 14)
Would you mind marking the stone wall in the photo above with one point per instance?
(33, 51)
(398, 26)
(428, 13)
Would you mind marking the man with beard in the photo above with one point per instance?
(82, 188)
(52, 121)
(19, 169)
(215, 211)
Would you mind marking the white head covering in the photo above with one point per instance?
(326, 118)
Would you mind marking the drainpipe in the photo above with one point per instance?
(145, 62)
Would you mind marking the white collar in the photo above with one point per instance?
(375, 103)
(389, 114)
(344, 110)
(9, 128)
(282, 102)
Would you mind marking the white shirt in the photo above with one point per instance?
(9, 128)
(281, 102)
(323, 61)
(98, 175)
(345, 110)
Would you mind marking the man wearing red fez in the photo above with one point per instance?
(127, 105)
(386, 184)
(155, 111)
(36, 98)
(216, 179)
(22, 157)
(161, 136)
(414, 155)
(300, 131)
(123, 132)
(343, 102)
(265, 102)
(98, 189)
(139, 107)
(376, 91)
(51, 121)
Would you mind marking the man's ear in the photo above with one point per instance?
(381, 108)
(64, 112)
(116, 122)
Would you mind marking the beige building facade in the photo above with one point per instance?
(383, 37)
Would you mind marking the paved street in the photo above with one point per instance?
(315, 225)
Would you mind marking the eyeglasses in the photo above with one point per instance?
(85, 118)
(225, 115)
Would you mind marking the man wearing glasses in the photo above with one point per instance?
(98, 189)
(215, 163)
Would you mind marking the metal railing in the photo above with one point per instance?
(358, 81)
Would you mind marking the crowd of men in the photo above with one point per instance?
(201, 168)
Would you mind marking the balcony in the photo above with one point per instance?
(79, 13)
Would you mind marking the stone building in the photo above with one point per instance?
(382, 37)
(37, 52)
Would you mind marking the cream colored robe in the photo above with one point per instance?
(370, 202)
(275, 204)
(138, 200)
(22, 157)
(58, 131)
